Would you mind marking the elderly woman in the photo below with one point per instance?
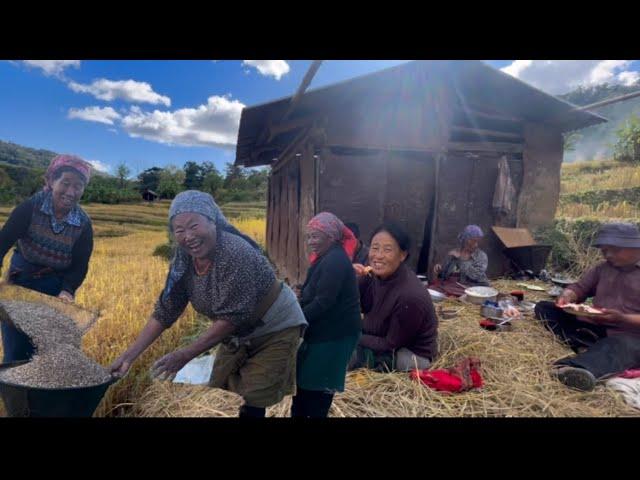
(54, 240)
(329, 301)
(466, 264)
(257, 320)
(400, 323)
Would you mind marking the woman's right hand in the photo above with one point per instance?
(120, 366)
(567, 296)
(437, 268)
(360, 269)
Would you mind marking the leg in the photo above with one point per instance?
(15, 344)
(251, 412)
(575, 333)
(311, 404)
(406, 360)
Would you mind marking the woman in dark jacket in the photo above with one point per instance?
(54, 239)
(329, 300)
(400, 324)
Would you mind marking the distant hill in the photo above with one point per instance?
(596, 142)
(19, 156)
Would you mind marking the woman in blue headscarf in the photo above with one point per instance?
(467, 263)
(257, 320)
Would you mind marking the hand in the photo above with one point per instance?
(120, 366)
(297, 289)
(610, 316)
(167, 367)
(437, 268)
(567, 296)
(455, 253)
(360, 269)
(66, 296)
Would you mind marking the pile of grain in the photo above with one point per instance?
(59, 361)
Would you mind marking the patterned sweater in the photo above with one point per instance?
(62, 245)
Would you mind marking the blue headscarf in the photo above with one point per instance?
(193, 201)
(470, 231)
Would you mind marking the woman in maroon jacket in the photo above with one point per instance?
(400, 324)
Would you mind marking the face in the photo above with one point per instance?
(195, 234)
(67, 191)
(472, 244)
(385, 255)
(620, 257)
(318, 242)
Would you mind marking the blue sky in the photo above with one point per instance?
(156, 113)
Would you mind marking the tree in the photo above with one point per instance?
(171, 181)
(212, 182)
(149, 179)
(627, 148)
(234, 176)
(192, 176)
(123, 173)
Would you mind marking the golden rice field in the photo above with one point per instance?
(123, 282)
(586, 176)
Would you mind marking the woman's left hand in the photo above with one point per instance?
(167, 367)
(66, 296)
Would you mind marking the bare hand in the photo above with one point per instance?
(120, 366)
(610, 316)
(167, 367)
(297, 289)
(567, 296)
(66, 296)
(361, 270)
(455, 253)
(437, 268)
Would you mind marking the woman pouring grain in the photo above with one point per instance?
(257, 320)
(54, 239)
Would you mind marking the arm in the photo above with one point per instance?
(151, 331)
(475, 269)
(583, 289)
(15, 227)
(73, 278)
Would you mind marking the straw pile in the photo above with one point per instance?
(515, 369)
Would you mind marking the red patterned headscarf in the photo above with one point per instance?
(83, 168)
(333, 227)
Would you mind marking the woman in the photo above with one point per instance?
(257, 320)
(466, 264)
(54, 239)
(400, 324)
(329, 300)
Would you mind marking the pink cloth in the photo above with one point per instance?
(83, 168)
(333, 227)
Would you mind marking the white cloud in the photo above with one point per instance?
(272, 68)
(629, 78)
(95, 114)
(52, 67)
(561, 76)
(99, 166)
(214, 124)
(128, 90)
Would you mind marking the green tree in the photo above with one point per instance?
(627, 147)
(213, 182)
(123, 173)
(192, 176)
(171, 181)
(149, 179)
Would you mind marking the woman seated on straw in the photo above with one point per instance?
(257, 320)
(466, 265)
(400, 324)
(54, 239)
(331, 305)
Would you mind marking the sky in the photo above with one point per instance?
(161, 112)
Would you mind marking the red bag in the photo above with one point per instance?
(464, 376)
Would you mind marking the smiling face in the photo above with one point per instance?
(195, 234)
(385, 255)
(318, 242)
(67, 189)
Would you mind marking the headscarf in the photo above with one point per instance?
(333, 227)
(193, 201)
(469, 232)
(83, 168)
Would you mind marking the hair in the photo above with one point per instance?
(60, 171)
(398, 233)
(354, 228)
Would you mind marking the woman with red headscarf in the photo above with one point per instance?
(330, 302)
(54, 239)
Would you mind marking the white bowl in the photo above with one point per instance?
(479, 295)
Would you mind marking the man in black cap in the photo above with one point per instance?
(609, 343)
